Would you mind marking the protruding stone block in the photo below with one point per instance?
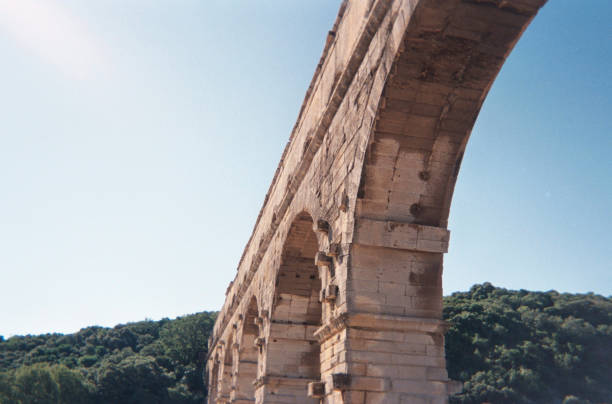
(316, 389)
(334, 250)
(340, 381)
(331, 293)
(322, 260)
(322, 226)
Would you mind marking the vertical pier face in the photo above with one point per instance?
(338, 295)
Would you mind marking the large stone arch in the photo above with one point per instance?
(374, 157)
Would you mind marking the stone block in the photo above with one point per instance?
(316, 389)
(370, 384)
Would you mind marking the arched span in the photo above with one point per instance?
(249, 353)
(226, 369)
(292, 351)
(450, 54)
(213, 381)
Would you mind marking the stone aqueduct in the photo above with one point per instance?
(338, 295)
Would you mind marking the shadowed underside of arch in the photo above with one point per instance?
(350, 295)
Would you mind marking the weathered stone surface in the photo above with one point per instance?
(339, 290)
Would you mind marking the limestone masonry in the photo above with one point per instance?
(338, 295)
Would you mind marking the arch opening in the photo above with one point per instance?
(214, 380)
(293, 353)
(226, 371)
(248, 356)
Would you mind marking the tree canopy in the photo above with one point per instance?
(144, 362)
(506, 346)
(529, 347)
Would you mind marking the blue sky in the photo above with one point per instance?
(138, 139)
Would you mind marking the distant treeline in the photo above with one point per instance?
(145, 362)
(506, 346)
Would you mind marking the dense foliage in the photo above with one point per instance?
(529, 347)
(506, 346)
(144, 362)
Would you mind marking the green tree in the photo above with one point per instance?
(35, 385)
(185, 341)
(524, 347)
(73, 388)
(135, 379)
(8, 395)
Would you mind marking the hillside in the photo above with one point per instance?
(143, 362)
(506, 346)
(529, 347)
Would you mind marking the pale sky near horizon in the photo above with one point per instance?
(138, 139)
